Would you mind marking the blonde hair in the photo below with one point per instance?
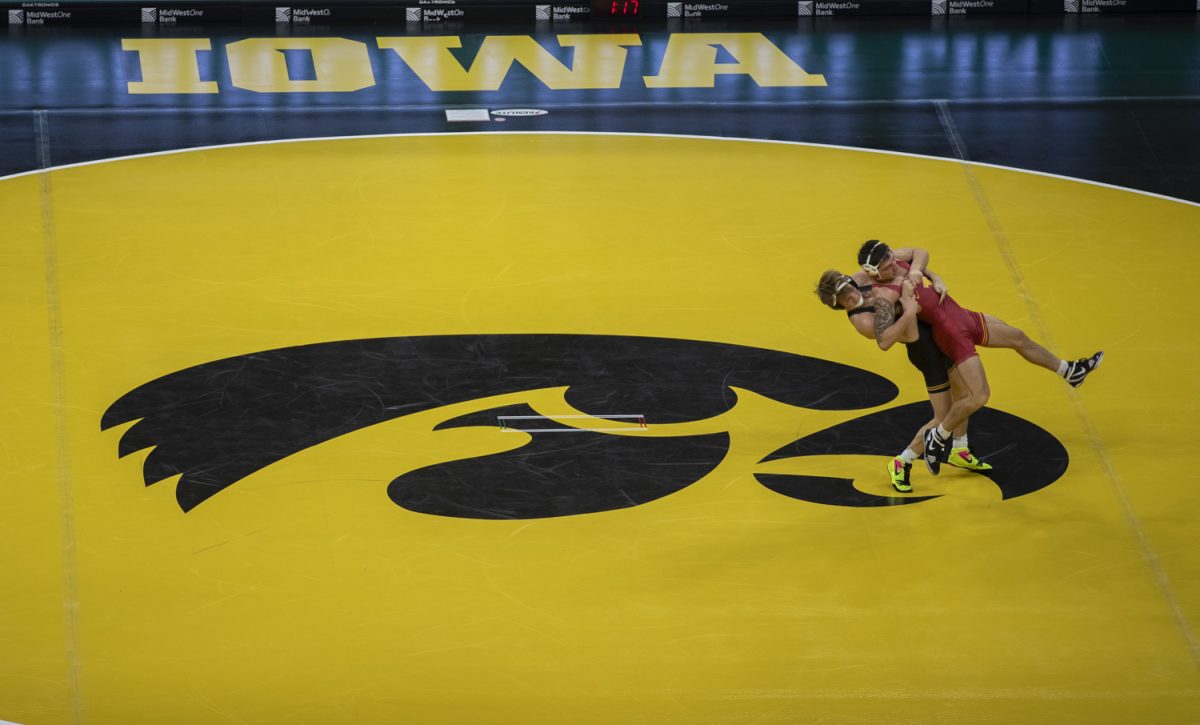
(826, 289)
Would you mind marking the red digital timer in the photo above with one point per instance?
(616, 8)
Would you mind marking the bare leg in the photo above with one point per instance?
(941, 405)
(958, 390)
(1002, 334)
(975, 393)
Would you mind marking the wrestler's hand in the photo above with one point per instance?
(916, 276)
(910, 305)
(940, 287)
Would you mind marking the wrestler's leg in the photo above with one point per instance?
(941, 403)
(975, 393)
(898, 468)
(957, 342)
(960, 451)
(1002, 334)
(957, 390)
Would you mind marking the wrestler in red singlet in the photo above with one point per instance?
(956, 330)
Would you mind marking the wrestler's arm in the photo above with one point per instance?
(939, 286)
(917, 258)
(881, 322)
(918, 267)
(865, 324)
(889, 330)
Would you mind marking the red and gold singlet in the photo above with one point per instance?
(956, 330)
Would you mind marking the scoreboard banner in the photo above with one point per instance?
(432, 13)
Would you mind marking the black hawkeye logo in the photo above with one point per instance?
(217, 423)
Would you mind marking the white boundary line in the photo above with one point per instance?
(637, 429)
(58, 373)
(599, 133)
(554, 417)
(637, 417)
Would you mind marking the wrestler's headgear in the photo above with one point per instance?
(871, 255)
(830, 288)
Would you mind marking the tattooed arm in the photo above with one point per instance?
(889, 329)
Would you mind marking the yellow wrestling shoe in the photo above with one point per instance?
(963, 458)
(899, 471)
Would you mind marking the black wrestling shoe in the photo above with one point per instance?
(937, 451)
(1078, 371)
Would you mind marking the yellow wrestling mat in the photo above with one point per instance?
(303, 593)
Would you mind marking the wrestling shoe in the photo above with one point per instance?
(1077, 371)
(963, 458)
(937, 450)
(898, 470)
